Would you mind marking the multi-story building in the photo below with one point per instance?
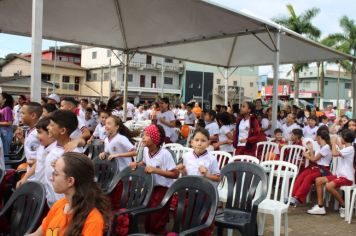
(208, 82)
(145, 75)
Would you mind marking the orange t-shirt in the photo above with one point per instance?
(197, 111)
(57, 221)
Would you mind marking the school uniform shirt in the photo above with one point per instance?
(90, 124)
(326, 156)
(100, 132)
(163, 160)
(189, 119)
(31, 145)
(42, 153)
(224, 130)
(345, 163)
(213, 128)
(141, 116)
(54, 154)
(119, 144)
(264, 125)
(192, 162)
(309, 132)
(287, 130)
(169, 117)
(244, 127)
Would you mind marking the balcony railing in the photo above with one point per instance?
(173, 67)
(233, 91)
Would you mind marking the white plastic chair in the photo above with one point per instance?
(347, 199)
(294, 156)
(264, 149)
(222, 157)
(352, 205)
(279, 186)
(246, 158)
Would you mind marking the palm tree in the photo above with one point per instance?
(346, 42)
(302, 25)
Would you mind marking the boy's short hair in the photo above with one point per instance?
(104, 111)
(65, 119)
(190, 105)
(89, 110)
(298, 133)
(323, 117)
(211, 113)
(276, 131)
(313, 118)
(50, 107)
(43, 123)
(34, 107)
(71, 100)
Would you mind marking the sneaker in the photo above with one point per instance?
(294, 202)
(342, 212)
(316, 210)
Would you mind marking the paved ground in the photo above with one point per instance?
(302, 224)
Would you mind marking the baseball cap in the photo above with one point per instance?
(54, 97)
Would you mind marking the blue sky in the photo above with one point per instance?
(327, 20)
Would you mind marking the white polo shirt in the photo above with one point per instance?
(163, 160)
(213, 128)
(31, 145)
(264, 125)
(169, 117)
(244, 128)
(309, 132)
(192, 162)
(90, 124)
(141, 116)
(287, 130)
(100, 132)
(42, 153)
(224, 130)
(119, 144)
(54, 154)
(189, 119)
(345, 163)
(326, 155)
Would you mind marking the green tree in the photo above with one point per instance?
(301, 24)
(346, 42)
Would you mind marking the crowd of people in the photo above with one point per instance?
(55, 132)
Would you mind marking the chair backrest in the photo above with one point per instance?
(222, 157)
(292, 154)
(105, 172)
(137, 187)
(139, 149)
(242, 181)
(245, 158)
(172, 145)
(2, 174)
(281, 178)
(197, 202)
(95, 149)
(190, 135)
(27, 204)
(264, 149)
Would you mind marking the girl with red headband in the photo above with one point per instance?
(159, 162)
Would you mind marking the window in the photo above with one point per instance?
(93, 55)
(168, 60)
(142, 80)
(65, 79)
(347, 85)
(46, 77)
(77, 60)
(235, 83)
(129, 78)
(76, 87)
(70, 59)
(218, 81)
(108, 53)
(251, 84)
(148, 59)
(106, 76)
(310, 73)
(76, 80)
(168, 80)
(62, 58)
(326, 83)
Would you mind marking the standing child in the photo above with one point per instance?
(226, 133)
(89, 121)
(310, 130)
(159, 162)
(201, 163)
(189, 116)
(118, 146)
(319, 166)
(166, 119)
(247, 132)
(212, 126)
(345, 173)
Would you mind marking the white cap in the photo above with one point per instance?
(54, 97)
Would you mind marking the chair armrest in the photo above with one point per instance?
(194, 229)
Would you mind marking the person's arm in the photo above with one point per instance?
(204, 171)
(124, 154)
(312, 157)
(334, 149)
(85, 133)
(28, 174)
(172, 174)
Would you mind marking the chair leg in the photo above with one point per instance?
(352, 206)
(261, 219)
(277, 224)
(229, 232)
(286, 224)
(347, 203)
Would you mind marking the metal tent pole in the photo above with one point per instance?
(126, 73)
(275, 81)
(226, 85)
(36, 60)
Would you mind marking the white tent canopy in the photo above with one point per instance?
(192, 30)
